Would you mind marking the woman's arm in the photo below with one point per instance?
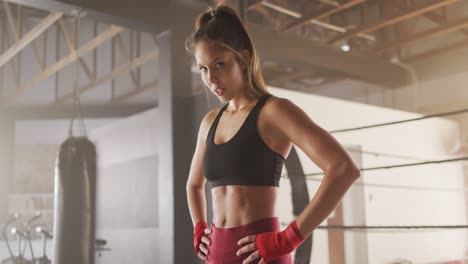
(339, 169)
(340, 172)
(196, 191)
(196, 179)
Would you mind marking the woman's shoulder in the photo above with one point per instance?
(275, 105)
(207, 121)
(209, 117)
(282, 110)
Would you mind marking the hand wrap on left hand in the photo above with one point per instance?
(276, 244)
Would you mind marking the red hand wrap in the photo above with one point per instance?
(276, 244)
(198, 232)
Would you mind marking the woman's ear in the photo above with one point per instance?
(246, 57)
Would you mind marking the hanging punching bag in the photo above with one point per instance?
(75, 202)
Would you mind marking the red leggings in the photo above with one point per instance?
(224, 246)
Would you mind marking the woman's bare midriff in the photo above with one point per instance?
(237, 205)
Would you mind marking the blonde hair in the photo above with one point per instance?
(222, 25)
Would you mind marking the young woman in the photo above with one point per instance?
(241, 148)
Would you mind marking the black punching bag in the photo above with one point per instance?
(75, 202)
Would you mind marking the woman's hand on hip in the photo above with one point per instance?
(271, 245)
(248, 243)
(202, 251)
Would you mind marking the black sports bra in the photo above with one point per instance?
(243, 160)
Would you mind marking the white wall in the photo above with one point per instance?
(127, 197)
(127, 139)
(428, 139)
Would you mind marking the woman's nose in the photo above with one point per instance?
(212, 79)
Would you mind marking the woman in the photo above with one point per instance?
(241, 148)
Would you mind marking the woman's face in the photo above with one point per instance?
(220, 70)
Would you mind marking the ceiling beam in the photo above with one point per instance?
(321, 14)
(144, 15)
(396, 18)
(330, 2)
(252, 4)
(302, 53)
(314, 21)
(341, 29)
(71, 57)
(72, 48)
(437, 51)
(447, 28)
(122, 69)
(305, 53)
(265, 13)
(127, 54)
(29, 37)
(436, 18)
(439, 19)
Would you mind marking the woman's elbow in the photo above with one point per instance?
(195, 184)
(346, 169)
(354, 171)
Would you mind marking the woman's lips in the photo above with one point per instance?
(219, 92)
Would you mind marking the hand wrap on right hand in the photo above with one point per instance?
(199, 231)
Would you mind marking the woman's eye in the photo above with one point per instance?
(202, 69)
(219, 64)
